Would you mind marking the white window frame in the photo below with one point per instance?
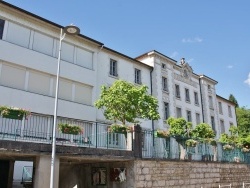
(2, 23)
(164, 84)
(177, 91)
(229, 111)
(137, 76)
(178, 112)
(222, 126)
(166, 110)
(189, 116)
(210, 100)
(187, 96)
(198, 118)
(113, 68)
(220, 108)
(196, 98)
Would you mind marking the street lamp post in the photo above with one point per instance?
(70, 30)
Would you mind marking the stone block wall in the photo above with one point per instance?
(182, 174)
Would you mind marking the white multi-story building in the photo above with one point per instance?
(29, 50)
(28, 65)
(182, 93)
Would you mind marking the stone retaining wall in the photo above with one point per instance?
(163, 174)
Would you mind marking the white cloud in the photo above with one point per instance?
(230, 66)
(174, 54)
(190, 60)
(192, 40)
(247, 81)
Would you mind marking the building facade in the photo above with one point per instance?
(28, 63)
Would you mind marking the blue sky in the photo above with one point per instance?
(213, 36)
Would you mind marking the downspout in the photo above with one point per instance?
(151, 91)
(202, 108)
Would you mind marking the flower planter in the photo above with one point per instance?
(161, 134)
(69, 129)
(13, 114)
(121, 129)
(191, 143)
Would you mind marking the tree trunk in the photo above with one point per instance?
(182, 152)
(215, 153)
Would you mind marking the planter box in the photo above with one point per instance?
(70, 132)
(14, 114)
(156, 134)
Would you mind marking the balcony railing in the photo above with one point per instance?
(38, 128)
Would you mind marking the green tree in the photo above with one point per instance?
(243, 121)
(181, 130)
(203, 132)
(232, 138)
(125, 102)
(233, 99)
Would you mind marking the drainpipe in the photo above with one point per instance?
(151, 91)
(202, 108)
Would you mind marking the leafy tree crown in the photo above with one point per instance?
(125, 102)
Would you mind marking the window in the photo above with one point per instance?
(7, 79)
(137, 76)
(210, 102)
(222, 126)
(178, 112)
(113, 68)
(231, 124)
(209, 87)
(39, 83)
(213, 123)
(163, 66)
(198, 119)
(196, 99)
(1, 28)
(220, 108)
(164, 84)
(177, 91)
(229, 111)
(18, 35)
(166, 110)
(189, 116)
(187, 95)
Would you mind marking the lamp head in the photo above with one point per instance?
(71, 30)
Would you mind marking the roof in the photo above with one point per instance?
(226, 100)
(154, 51)
(208, 78)
(45, 20)
(130, 58)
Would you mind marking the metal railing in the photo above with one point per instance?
(169, 148)
(38, 129)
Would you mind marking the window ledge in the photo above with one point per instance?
(112, 76)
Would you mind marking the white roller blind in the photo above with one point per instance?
(18, 35)
(12, 77)
(84, 58)
(39, 83)
(65, 89)
(83, 94)
(67, 52)
(43, 43)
